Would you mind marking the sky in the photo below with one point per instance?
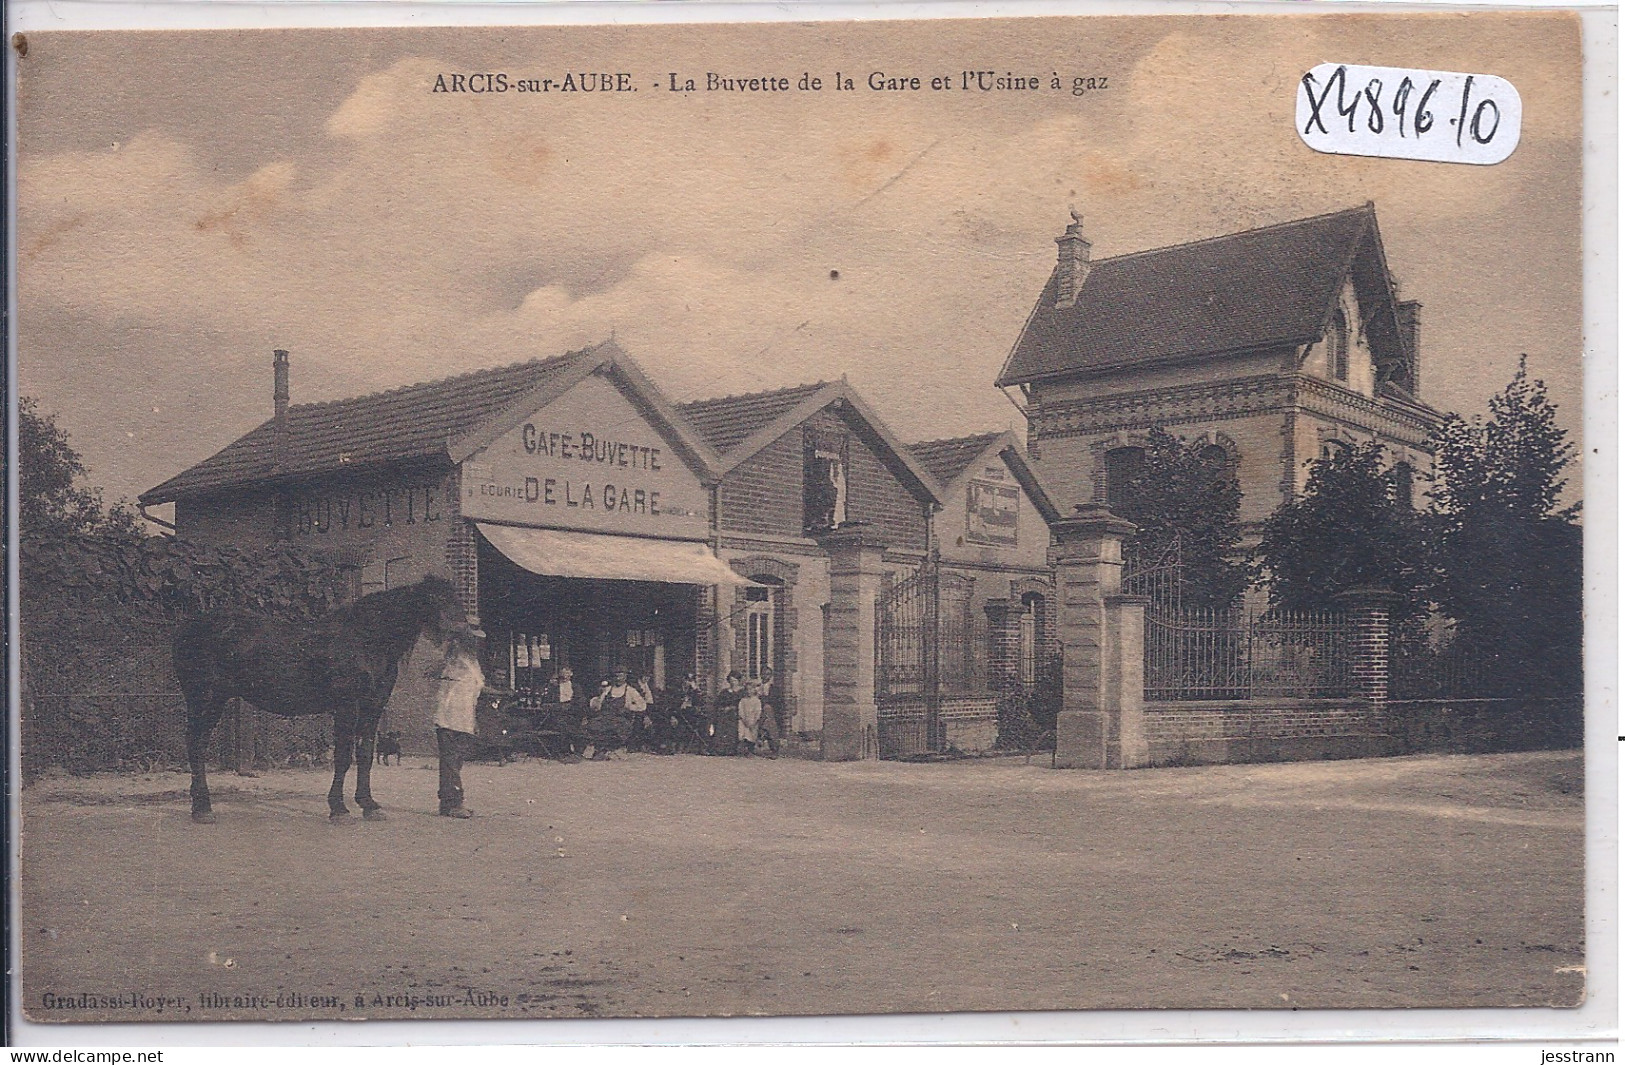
(189, 201)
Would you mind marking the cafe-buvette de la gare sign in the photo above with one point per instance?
(589, 461)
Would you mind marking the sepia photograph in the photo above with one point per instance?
(798, 519)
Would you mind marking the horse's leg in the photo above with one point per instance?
(203, 709)
(367, 729)
(343, 748)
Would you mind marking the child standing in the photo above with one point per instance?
(750, 717)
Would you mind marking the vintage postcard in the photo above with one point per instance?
(778, 519)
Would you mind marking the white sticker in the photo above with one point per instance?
(1397, 113)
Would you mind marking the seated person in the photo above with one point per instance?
(643, 723)
(562, 710)
(680, 719)
(564, 691)
(613, 709)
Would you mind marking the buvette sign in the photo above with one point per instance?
(588, 461)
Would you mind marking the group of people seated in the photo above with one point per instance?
(635, 716)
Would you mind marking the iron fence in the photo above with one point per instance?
(1206, 654)
(1161, 584)
(1418, 670)
(906, 616)
(907, 657)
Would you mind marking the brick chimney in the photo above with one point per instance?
(1073, 263)
(279, 396)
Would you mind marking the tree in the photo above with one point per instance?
(1188, 511)
(1351, 528)
(50, 499)
(1509, 563)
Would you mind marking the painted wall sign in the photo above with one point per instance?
(364, 512)
(992, 512)
(587, 461)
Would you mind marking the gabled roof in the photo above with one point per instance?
(450, 419)
(949, 459)
(740, 426)
(727, 421)
(1258, 288)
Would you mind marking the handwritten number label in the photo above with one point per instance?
(1391, 112)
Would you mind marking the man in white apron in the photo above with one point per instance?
(459, 681)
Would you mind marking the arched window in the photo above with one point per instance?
(1404, 478)
(1337, 345)
(1331, 450)
(1219, 459)
(1123, 465)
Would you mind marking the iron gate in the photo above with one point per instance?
(907, 664)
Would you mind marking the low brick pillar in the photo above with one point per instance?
(1370, 610)
(1101, 724)
(851, 723)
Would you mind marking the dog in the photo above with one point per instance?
(389, 743)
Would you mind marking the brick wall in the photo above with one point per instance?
(1070, 464)
(970, 725)
(876, 495)
(1262, 730)
(237, 519)
(404, 515)
(765, 494)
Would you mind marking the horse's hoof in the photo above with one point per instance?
(374, 814)
(203, 817)
(338, 815)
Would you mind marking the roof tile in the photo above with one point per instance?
(728, 421)
(947, 459)
(1223, 294)
(416, 421)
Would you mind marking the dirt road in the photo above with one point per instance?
(706, 886)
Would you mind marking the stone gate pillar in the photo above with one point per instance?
(1102, 722)
(851, 723)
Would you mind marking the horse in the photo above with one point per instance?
(343, 663)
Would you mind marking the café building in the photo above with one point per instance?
(589, 522)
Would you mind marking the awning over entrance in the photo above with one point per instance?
(556, 553)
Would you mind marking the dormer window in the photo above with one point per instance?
(1337, 345)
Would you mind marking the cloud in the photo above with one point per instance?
(379, 99)
(729, 245)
